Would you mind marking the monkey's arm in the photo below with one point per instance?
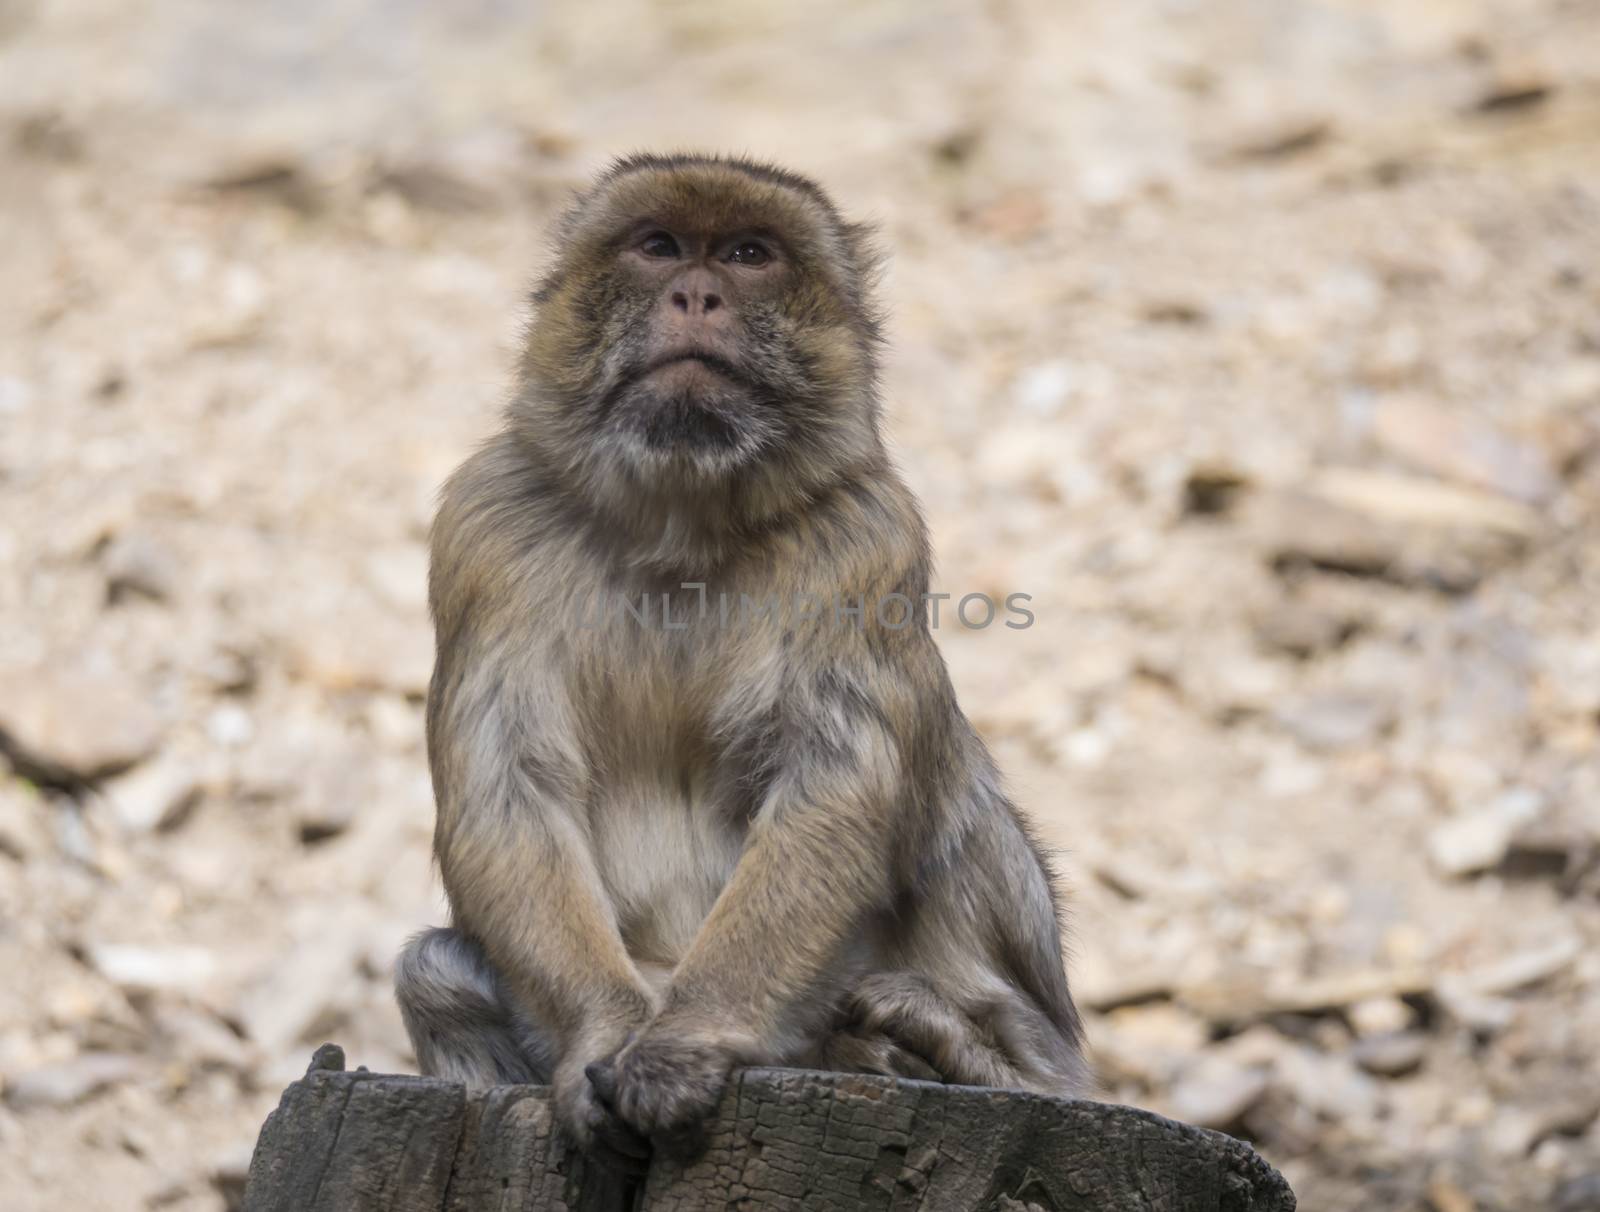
(509, 772)
(820, 856)
(518, 868)
(524, 884)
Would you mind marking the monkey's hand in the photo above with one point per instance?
(669, 1078)
(588, 1119)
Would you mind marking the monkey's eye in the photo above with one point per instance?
(658, 244)
(750, 253)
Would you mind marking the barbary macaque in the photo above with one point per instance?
(711, 837)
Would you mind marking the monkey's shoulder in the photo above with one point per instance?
(866, 534)
(499, 518)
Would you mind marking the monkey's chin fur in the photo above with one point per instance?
(702, 425)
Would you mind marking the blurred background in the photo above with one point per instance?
(1258, 340)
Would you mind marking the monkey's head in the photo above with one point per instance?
(707, 328)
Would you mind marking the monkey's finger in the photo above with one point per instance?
(602, 1077)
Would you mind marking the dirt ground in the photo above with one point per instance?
(1257, 340)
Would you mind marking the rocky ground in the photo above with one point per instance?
(1259, 342)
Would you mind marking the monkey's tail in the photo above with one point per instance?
(462, 1027)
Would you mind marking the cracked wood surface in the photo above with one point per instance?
(782, 1139)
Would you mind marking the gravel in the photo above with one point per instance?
(1256, 342)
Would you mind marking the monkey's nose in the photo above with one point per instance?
(697, 302)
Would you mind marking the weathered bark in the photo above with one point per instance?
(782, 1139)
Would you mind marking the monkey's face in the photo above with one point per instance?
(698, 359)
(705, 319)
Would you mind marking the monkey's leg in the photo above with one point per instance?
(905, 1010)
(462, 1026)
(846, 1051)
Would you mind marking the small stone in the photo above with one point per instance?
(1106, 987)
(1410, 501)
(24, 828)
(1445, 1196)
(1086, 748)
(74, 727)
(135, 1141)
(143, 969)
(268, 175)
(15, 395)
(1229, 683)
(156, 797)
(1577, 384)
(1483, 1016)
(1021, 456)
(168, 1193)
(391, 220)
(1149, 1043)
(1257, 1045)
(231, 670)
(201, 1039)
(432, 186)
(1329, 1085)
(1520, 970)
(328, 800)
(73, 837)
(1379, 1016)
(1569, 673)
(306, 995)
(1216, 1093)
(63, 1084)
(1481, 841)
(393, 721)
(1513, 1132)
(80, 1002)
(1566, 1113)
(1391, 1055)
(326, 780)
(230, 1170)
(1017, 214)
(1236, 1001)
(1280, 137)
(1176, 309)
(136, 565)
(1302, 630)
(1404, 529)
(1581, 1194)
(1460, 447)
(367, 651)
(1548, 850)
(230, 725)
(1517, 89)
(1213, 488)
(1044, 390)
(399, 575)
(1290, 775)
(1475, 843)
(1337, 719)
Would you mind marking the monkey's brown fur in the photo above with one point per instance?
(775, 840)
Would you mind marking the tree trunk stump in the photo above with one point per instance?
(782, 1139)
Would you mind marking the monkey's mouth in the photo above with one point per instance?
(691, 402)
(715, 363)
